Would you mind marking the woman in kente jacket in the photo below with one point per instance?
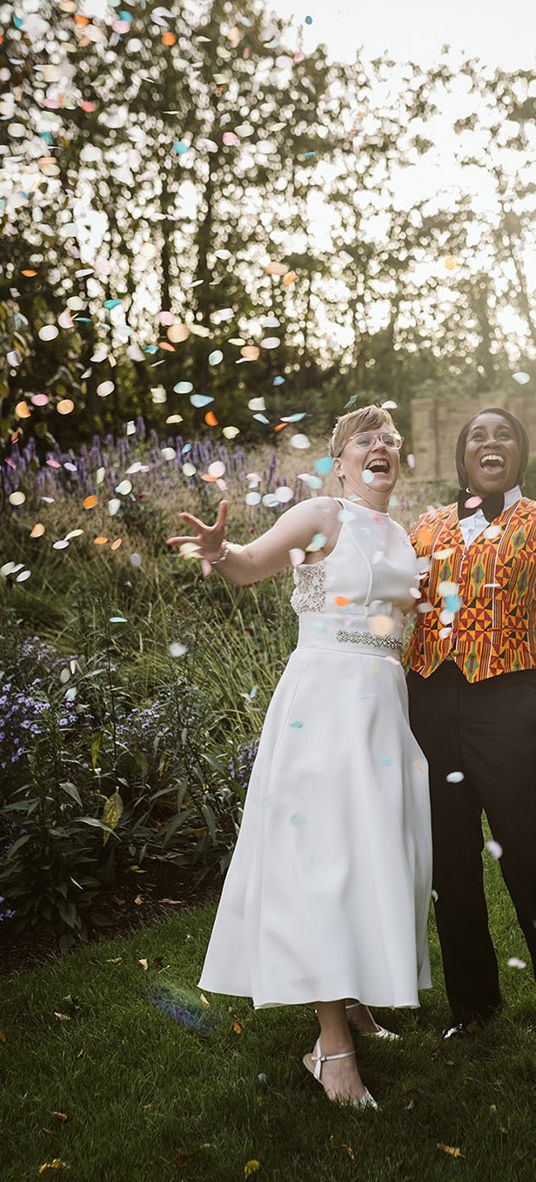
(472, 690)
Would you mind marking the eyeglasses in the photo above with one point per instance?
(390, 439)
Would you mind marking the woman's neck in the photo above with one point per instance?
(378, 501)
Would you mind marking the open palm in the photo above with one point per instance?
(208, 538)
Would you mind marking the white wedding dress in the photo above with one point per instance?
(327, 894)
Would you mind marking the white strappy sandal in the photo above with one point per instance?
(313, 1062)
(379, 1033)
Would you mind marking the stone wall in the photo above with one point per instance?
(436, 424)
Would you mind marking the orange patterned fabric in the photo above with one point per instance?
(494, 628)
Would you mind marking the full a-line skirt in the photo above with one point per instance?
(327, 894)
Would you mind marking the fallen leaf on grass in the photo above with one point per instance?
(62, 1017)
(251, 1167)
(340, 1145)
(115, 960)
(61, 1116)
(452, 1149)
(144, 964)
(237, 1027)
(172, 902)
(138, 901)
(55, 1164)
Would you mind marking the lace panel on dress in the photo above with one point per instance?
(309, 594)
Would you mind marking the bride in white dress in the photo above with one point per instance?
(327, 895)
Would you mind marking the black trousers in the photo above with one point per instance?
(487, 730)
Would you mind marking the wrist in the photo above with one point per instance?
(223, 554)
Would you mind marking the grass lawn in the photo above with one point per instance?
(146, 1099)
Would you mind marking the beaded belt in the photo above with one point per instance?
(370, 638)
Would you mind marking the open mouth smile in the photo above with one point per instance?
(377, 466)
(492, 461)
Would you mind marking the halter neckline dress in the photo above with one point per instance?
(328, 890)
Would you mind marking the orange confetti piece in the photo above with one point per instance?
(90, 502)
(237, 1027)
(29, 274)
(210, 419)
(209, 479)
(280, 426)
(118, 542)
(100, 541)
(341, 601)
(168, 38)
(289, 278)
(22, 410)
(166, 345)
(38, 530)
(81, 20)
(65, 407)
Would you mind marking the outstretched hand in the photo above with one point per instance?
(208, 538)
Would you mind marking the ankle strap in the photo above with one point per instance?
(328, 1058)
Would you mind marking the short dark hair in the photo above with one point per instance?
(518, 430)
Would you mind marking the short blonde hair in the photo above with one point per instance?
(367, 418)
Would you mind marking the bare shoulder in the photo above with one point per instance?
(321, 511)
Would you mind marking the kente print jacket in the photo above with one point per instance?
(494, 626)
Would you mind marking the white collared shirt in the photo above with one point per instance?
(474, 525)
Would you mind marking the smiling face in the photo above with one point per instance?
(369, 472)
(492, 455)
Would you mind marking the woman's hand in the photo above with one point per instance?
(208, 539)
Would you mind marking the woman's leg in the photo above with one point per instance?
(360, 1017)
(340, 1077)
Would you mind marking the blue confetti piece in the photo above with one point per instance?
(386, 761)
(278, 380)
(112, 303)
(324, 465)
(453, 603)
(181, 147)
(308, 20)
(200, 399)
(151, 348)
(261, 418)
(296, 725)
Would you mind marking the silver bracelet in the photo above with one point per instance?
(223, 555)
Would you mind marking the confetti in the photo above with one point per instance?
(65, 407)
(300, 442)
(16, 498)
(175, 649)
(90, 502)
(494, 849)
(455, 777)
(515, 963)
(521, 378)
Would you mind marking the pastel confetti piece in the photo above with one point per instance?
(176, 649)
(324, 465)
(494, 849)
(455, 777)
(316, 543)
(199, 400)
